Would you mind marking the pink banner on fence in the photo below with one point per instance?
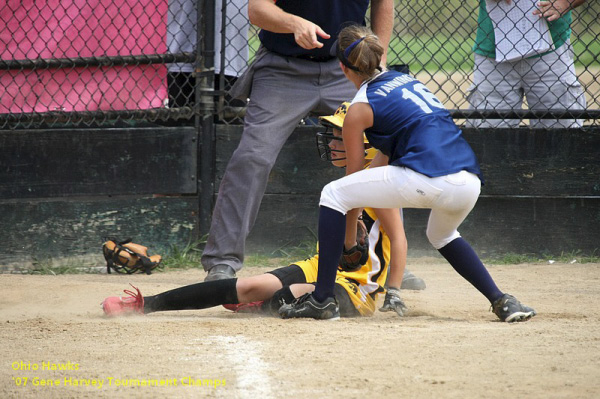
(33, 29)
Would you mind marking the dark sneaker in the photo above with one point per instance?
(220, 272)
(393, 302)
(307, 306)
(412, 282)
(509, 309)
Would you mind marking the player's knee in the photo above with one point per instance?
(328, 192)
(244, 287)
(329, 198)
(438, 240)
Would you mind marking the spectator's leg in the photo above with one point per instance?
(496, 86)
(552, 84)
(282, 93)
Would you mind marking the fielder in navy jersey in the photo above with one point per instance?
(420, 134)
(425, 163)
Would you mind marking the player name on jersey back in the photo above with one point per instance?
(393, 84)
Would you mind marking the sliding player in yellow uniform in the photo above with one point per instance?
(361, 276)
(356, 290)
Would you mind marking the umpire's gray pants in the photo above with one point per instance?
(284, 90)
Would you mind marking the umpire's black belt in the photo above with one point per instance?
(314, 58)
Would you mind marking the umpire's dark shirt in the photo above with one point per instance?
(330, 15)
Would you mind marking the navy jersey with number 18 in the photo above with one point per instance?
(413, 128)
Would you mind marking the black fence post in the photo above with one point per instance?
(204, 120)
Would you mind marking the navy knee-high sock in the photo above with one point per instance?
(466, 262)
(195, 296)
(332, 231)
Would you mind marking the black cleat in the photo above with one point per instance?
(307, 306)
(509, 309)
(220, 272)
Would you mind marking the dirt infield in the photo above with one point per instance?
(449, 346)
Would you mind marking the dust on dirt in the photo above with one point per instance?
(56, 343)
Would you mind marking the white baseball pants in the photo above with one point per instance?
(450, 197)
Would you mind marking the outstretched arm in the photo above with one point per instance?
(358, 118)
(391, 221)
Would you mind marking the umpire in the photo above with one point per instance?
(293, 74)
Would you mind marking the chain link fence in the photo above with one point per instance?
(437, 41)
(75, 62)
(93, 63)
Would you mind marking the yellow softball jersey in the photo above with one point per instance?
(366, 283)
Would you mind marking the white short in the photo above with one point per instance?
(546, 82)
(450, 197)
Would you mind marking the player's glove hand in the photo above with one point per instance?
(354, 258)
(393, 302)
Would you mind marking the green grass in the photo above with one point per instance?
(282, 256)
(188, 257)
(182, 258)
(185, 257)
(587, 49)
(176, 257)
(431, 53)
(451, 54)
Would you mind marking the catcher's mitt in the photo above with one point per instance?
(354, 258)
(128, 258)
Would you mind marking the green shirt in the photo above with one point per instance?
(485, 42)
